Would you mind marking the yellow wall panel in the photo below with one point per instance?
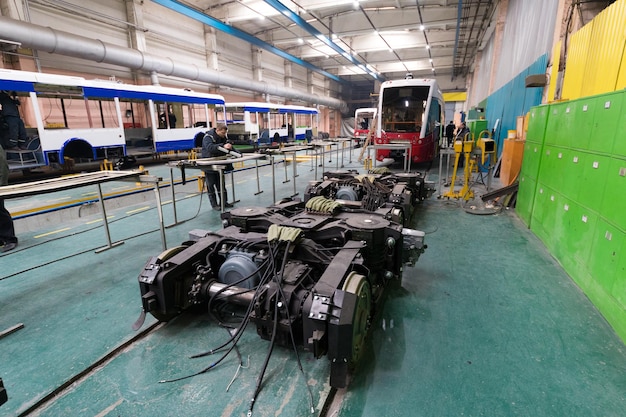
(620, 84)
(554, 75)
(455, 96)
(621, 78)
(576, 62)
(605, 50)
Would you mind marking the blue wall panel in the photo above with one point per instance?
(513, 100)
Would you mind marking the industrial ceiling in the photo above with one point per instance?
(357, 41)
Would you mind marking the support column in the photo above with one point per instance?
(503, 8)
(257, 64)
(137, 37)
(288, 74)
(210, 42)
(309, 81)
(134, 15)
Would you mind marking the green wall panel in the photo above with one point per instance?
(619, 285)
(581, 119)
(531, 159)
(569, 171)
(607, 115)
(543, 220)
(619, 143)
(613, 207)
(578, 208)
(554, 126)
(525, 198)
(579, 233)
(548, 166)
(537, 121)
(594, 169)
(476, 126)
(539, 212)
(568, 134)
(606, 251)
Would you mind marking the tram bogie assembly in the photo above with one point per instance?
(301, 276)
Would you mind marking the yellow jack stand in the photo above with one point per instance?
(106, 165)
(462, 147)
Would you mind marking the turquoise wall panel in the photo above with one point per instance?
(513, 100)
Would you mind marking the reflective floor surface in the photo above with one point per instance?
(486, 323)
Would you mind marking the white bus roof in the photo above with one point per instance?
(263, 107)
(25, 81)
(365, 110)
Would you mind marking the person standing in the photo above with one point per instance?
(15, 132)
(450, 133)
(212, 141)
(8, 241)
(463, 133)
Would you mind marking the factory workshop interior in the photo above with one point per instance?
(350, 265)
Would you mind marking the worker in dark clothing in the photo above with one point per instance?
(463, 132)
(12, 130)
(450, 133)
(8, 241)
(213, 140)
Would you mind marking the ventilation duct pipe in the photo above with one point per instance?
(64, 43)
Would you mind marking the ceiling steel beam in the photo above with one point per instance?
(286, 11)
(230, 30)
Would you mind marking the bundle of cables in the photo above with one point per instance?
(279, 240)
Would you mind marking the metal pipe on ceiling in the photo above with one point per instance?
(64, 43)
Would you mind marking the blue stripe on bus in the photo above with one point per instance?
(298, 111)
(174, 145)
(275, 110)
(13, 85)
(142, 95)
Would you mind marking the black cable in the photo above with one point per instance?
(266, 276)
(240, 329)
(257, 389)
(293, 340)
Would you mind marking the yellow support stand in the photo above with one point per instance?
(367, 164)
(141, 169)
(462, 147)
(201, 183)
(106, 165)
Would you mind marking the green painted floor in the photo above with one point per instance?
(486, 323)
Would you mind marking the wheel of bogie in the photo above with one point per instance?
(357, 284)
(163, 257)
(168, 253)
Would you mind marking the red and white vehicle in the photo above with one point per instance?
(409, 111)
(363, 119)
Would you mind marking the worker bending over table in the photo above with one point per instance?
(214, 140)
